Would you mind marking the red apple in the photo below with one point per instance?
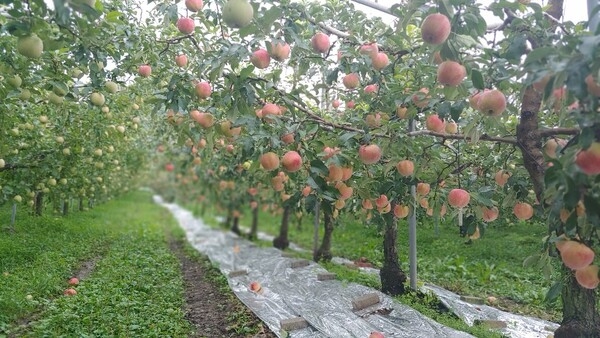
(492, 102)
(271, 109)
(269, 161)
(306, 190)
(194, 5)
(523, 211)
(371, 89)
(501, 177)
(203, 89)
(588, 277)
(421, 98)
(370, 49)
(181, 60)
(74, 281)
(186, 25)
(376, 334)
(260, 58)
(588, 160)
(380, 61)
(369, 154)
(435, 29)
(70, 292)
(351, 80)
(576, 255)
(489, 214)
(451, 73)
(287, 138)
(291, 161)
(382, 201)
(451, 128)
(255, 287)
(458, 198)
(434, 123)
(401, 211)
(320, 42)
(405, 167)
(169, 167)
(145, 70)
(423, 188)
(280, 50)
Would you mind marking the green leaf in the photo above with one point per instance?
(113, 16)
(554, 292)
(539, 54)
(531, 261)
(477, 79)
(465, 41)
(269, 17)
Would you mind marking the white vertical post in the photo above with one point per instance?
(412, 230)
(316, 228)
(593, 20)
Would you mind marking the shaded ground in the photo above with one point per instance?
(211, 307)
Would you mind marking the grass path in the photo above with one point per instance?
(131, 278)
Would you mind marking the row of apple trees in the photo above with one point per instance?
(317, 107)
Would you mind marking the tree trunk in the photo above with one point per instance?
(254, 227)
(391, 275)
(235, 228)
(229, 218)
(39, 204)
(281, 242)
(299, 222)
(80, 204)
(530, 140)
(324, 251)
(580, 316)
(65, 208)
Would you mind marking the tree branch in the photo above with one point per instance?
(462, 137)
(559, 131)
(11, 166)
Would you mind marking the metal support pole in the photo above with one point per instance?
(593, 18)
(412, 230)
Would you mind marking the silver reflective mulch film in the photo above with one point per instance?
(327, 305)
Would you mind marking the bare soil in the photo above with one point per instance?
(214, 311)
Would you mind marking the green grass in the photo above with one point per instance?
(135, 289)
(489, 266)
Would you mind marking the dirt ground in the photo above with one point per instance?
(212, 311)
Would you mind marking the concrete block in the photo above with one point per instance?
(351, 266)
(299, 263)
(473, 300)
(292, 324)
(237, 273)
(325, 276)
(491, 324)
(365, 301)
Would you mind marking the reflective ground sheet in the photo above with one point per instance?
(289, 293)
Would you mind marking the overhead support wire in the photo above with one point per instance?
(374, 5)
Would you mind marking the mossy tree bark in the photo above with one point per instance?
(391, 275)
(282, 242)
(324, 251)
